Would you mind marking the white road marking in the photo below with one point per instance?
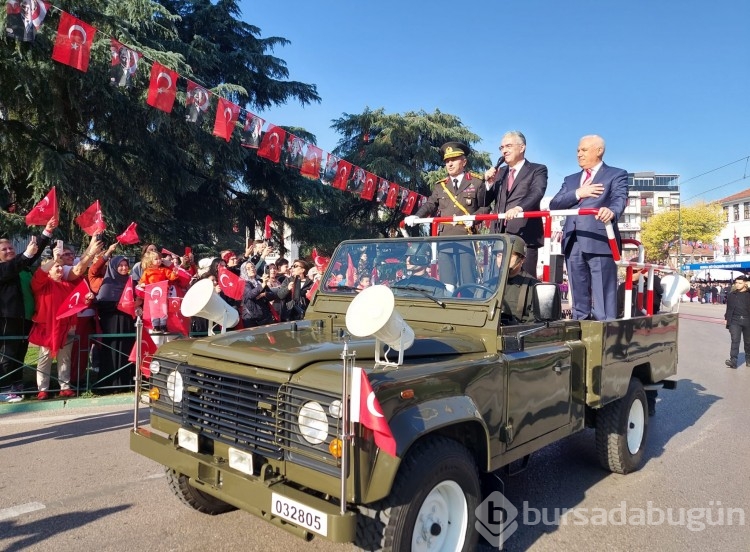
(16, 511)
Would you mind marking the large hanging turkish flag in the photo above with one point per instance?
(162, 90)
(73, 42)
(227, 114)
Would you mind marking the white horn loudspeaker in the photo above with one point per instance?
(201, 300)
(373, 312)
(673, 288)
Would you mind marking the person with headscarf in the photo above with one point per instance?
(109, 275)
(256, 301)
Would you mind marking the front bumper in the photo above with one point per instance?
(249, 493)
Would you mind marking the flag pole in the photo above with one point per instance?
(138, 360)
(346, 431)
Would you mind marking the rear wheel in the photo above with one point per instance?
(194, 498)
(621, 429)
(431, 505)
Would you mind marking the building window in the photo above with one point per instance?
(746, 248)
(660, 202)
(726, 214)
(746, 209)
(736, 210)
(726, 247)
(632, 201)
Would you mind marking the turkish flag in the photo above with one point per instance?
(196, 102)
(162, 90)
(411, 200)
(91, 220)
(252, 131)
(73, 42)
(267, 229)
(343, 172)
(155, 300)
(148, 348)
(232, 285)
(76, 301)
(371, 184)
(311, 162)
(176, 322)
(272, 143)
(126, 303)
(44, 210)
(392, 197)
(227, 115)
(366, 410)
(13, 7)
(129, 236)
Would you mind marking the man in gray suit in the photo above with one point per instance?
(517, 187)
(591, 268)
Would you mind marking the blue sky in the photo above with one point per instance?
(665, 82)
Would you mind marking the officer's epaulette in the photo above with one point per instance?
(476, 175)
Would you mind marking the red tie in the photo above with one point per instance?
(511, 178)
(588, 177)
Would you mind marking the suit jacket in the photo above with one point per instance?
(440, 202)
(527, 192)
(589, 232)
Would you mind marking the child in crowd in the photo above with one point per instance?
(154, 272)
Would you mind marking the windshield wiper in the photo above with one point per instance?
(344, 288)
(421, 291)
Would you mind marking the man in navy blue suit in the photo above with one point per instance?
(591, 268)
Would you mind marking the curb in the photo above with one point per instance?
(32, 405)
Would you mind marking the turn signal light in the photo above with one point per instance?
(153, 394)
(336, 448)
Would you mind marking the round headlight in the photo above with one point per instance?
(313, 423)
(334, 409)
(174, 386)
(154, 366)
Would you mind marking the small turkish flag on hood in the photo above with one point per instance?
(366, 410)
(162, 90)
(130, 235)
(148, 348)
(126, 303)
(227, 114)
(232, 285)
(44, 210)
(91, 220)
(76, 301)
(73, 42)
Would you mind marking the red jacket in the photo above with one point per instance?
(48, 296)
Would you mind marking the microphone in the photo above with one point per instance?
(500, 162)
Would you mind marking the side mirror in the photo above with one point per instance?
(546, 303)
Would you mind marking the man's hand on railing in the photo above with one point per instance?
(409, 221)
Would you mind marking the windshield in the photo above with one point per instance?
(465, 269)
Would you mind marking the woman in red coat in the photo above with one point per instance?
(53, 336)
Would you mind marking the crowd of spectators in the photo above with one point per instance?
(31, 295)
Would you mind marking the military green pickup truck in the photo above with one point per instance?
(257, 419)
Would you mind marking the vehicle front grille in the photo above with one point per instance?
(231, 409)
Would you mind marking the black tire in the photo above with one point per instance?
(194, 498)
(439, 472)
(621, 431)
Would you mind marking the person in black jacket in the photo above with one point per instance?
(737, 317)
(13, 319)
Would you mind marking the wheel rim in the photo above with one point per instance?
(636, 426)
(442, 519)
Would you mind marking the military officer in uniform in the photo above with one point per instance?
(455, 195)
(517, 304)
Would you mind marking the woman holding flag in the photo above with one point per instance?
(53, 327)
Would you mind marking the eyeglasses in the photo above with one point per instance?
(507, 146)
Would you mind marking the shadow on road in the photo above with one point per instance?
(48, 527)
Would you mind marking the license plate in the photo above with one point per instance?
(299, 514)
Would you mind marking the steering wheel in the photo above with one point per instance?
(469, 287)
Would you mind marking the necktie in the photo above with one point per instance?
(455, 184)
(511, 178)
(587, 179)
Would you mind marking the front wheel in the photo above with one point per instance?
(621, 429)
(431, 505)
(194, 498)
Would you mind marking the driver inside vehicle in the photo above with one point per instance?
(517, 298)
(418, 270)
